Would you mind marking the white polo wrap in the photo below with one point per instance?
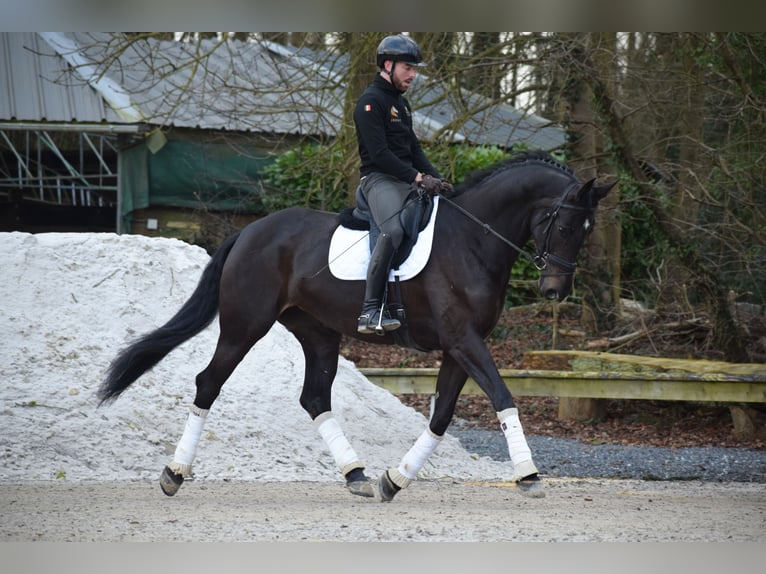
(415, 459)
(521, 455)
(341, 450)
(187, 446)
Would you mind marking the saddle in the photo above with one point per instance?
(413, 217)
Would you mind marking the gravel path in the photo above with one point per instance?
(557, 457)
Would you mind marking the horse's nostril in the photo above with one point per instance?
(551, 294)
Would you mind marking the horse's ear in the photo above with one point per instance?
(582, 191)
(602, 190)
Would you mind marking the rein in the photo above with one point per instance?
(540, 261)
(488, 230)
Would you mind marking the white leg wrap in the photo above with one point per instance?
(336, 441)
(187, 446)
(415, 458)
(521, 456)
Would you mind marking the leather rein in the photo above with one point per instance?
(543, 256)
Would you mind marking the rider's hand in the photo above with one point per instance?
(431, 184)
(445, 187)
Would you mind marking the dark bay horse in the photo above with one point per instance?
(276, 269)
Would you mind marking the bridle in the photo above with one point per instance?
(543, 256)
(541, 259)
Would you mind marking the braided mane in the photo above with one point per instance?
(515, 160)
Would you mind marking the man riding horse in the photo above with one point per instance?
(392, 162)
(268, 272)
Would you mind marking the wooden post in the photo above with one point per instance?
(748, 422)
(581, 409)
(570, 408)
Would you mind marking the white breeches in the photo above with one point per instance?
(187, 446)
(336, 441)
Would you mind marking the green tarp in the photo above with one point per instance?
(216, 176)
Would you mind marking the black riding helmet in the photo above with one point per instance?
(399, 48)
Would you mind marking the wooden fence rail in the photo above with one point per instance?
(705, 387)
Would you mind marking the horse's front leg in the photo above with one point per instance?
(449, 383)
(474, 356)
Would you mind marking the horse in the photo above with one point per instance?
(276, 269)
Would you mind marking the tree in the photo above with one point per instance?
(361, 48)
(666, 208)
(679, 117)
(599, 284)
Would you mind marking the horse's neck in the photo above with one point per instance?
(506, 211)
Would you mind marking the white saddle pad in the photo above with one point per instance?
(350, 253)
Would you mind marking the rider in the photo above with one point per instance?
(392, 163)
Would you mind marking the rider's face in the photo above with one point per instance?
(403, 75)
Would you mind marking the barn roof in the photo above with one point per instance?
(237, 86)
(32, 90)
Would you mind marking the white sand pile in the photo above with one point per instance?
(70, 301)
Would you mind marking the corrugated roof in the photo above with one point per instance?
(236, 86)
(70, 77)
(436, 107)
(227, 85)
(498, 125)
(32, 88)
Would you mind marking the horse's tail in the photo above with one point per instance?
(195, 315)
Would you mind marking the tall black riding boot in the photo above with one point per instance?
(372, 320)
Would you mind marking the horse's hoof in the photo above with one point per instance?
(358, 484)
(170, 482)
(531, 486)
(387, 488)
(361, 488)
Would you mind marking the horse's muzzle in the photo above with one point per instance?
(555, 287)
(551, 295)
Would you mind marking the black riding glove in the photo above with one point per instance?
(445, 187)
(431, 184)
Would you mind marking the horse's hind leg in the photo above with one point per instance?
(320, 348)
(231, 349)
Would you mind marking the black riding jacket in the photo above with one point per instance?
(387, 143)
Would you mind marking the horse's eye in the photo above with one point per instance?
(564, 230)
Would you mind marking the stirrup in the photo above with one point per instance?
(377, 323)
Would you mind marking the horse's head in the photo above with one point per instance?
(559, 230)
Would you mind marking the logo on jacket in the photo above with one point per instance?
(394, 114)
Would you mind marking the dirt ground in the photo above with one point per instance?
(573, 510)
